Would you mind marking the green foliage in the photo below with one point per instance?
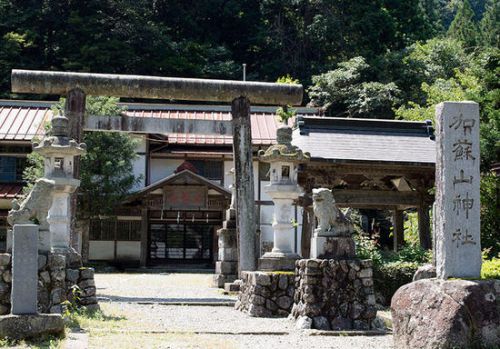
(346, 91)
(411, 253)
(491, 269)
(388, 277)
(32, 171)
(464, 28)
(285, 113)
(106, 175)
(490, 213)
(367, 249)
(490, 24)
(106, 169)
(287, 79)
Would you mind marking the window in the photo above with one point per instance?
(11, 168)
(264, 168)
(112, 229)
(209, 169)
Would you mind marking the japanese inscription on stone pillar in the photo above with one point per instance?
(458, 246)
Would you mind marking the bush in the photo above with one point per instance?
(390, 276)
(491, 269)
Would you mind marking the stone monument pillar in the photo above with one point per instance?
(283, 189)
(332, 238)
(25, 322)
(59, 152)
(458, 245)
(226, 267)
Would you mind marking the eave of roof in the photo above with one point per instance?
(185, 173)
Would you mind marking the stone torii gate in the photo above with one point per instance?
(75, 87)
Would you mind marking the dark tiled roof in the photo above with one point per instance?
(341, 139)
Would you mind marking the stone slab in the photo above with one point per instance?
(458, 245)
(277, 263)
(24, 269)
(30, 326)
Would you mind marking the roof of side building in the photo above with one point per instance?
(373, 140)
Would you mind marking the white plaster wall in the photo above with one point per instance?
(101, 250)
(139, 170)
(256, 179)
(263, 195)
(228, 178)
(161, 168)
(128, 250)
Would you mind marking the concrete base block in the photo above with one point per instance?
(332, 247)
(30, 326)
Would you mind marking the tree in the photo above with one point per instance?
(464, 28)
(106, 169)
(345, 91)
(490, 24)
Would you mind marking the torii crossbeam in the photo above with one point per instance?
(75, 86)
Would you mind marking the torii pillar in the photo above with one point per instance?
(238, 93)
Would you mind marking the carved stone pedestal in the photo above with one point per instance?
(329, 247)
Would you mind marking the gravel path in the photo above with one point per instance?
(208, 324)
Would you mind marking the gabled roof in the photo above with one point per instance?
(368, 140)
(181, 178)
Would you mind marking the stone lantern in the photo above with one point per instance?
(284, 159)
(59, 152)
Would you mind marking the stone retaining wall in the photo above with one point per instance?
(266, 294)
(335, 294)
(58, 276)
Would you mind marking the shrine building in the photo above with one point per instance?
(171, 216)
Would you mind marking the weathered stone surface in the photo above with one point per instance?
(434, 313)
(427, 271)
(303, 323)
(24, 269)
(86, 283)
(261, 290)
(340, 291)
(31, 326)
(321, 323)
(56, 261)
(72, 275)
(7, 276)
(457, 208)
(57, 296)
(45, 277)
(4, 309)
(42, 261)
(135, 86)
(4, 259)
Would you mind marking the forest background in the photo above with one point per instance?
(392, 59)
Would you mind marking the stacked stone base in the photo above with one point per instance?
(335, 294)
(266, 294)
(61, 278)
